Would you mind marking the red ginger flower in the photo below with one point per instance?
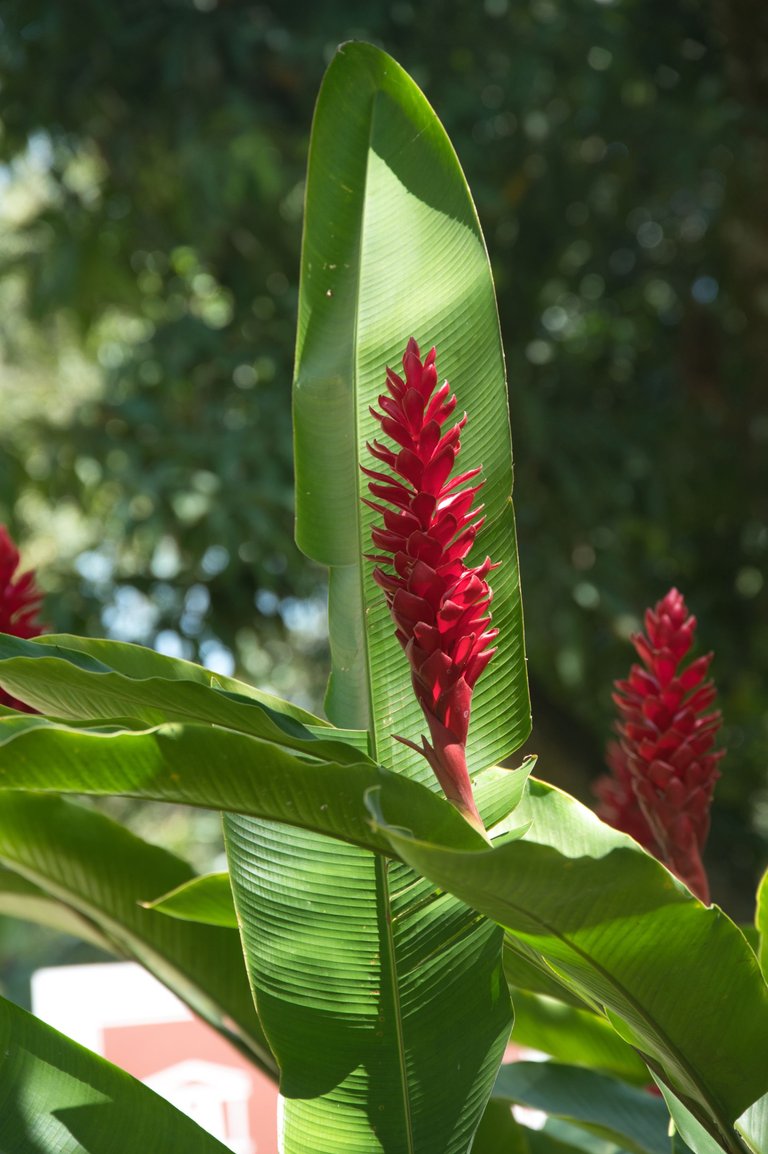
(663, 765)
(439, 604)
(19, 605)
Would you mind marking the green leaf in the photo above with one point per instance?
(99, 680)
(573, 1035)
(60, 689)
(101, 873)
(634, 1119)
(616, 927)
(761, 923)
(498, 793)
(206, 899)
(58, 1098)
(205, 766)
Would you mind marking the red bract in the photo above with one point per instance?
(664, 767)
(440, 606)
(19, 604)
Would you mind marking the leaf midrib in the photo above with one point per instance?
(382, 865)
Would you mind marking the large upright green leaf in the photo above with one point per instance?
(56, 1097)
(365, 974)
(393, 249)
(679, 981)
(363, 988)
(101, 873)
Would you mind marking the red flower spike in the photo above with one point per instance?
(19, 605)
(663, 769)
(438, 604)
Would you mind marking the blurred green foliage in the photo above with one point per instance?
(154, 156)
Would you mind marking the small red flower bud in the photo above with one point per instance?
(663, 766)
(19, 605)
(439, 605)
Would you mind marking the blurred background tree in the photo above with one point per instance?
(153, 154)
